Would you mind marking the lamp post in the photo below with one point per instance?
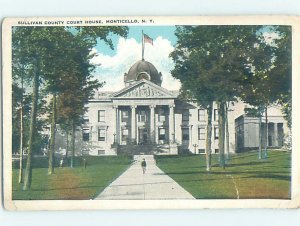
(114, 138)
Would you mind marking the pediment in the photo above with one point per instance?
(143, 89)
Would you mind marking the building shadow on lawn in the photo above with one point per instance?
(247, 174)
(203, 180)
(197, 167)
(271, 176)
(245, 164)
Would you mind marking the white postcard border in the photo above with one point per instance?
(151, 204)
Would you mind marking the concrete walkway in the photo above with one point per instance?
(154, 184)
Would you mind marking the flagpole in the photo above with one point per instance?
(143, 45)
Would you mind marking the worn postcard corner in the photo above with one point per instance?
(150, 112)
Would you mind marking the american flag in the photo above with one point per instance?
(147, 39)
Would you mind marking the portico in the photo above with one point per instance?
(144, 119)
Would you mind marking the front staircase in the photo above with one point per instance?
(145, 149)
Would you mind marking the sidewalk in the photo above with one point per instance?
(154, 184)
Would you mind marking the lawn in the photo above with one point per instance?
(245, 176)
(66, 183)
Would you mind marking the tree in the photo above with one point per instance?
(71, 106)
(270, 80)
(28, 52)
(212, 62)
(31, 48)
(282, 70)
(35, 48)
(57, 63)
(18, 128)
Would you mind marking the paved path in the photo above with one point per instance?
(154, 184)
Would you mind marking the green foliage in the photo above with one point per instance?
(64, 56)
(282, 72)
(40, 140)
(254, 112)
(213, 62)
(272, 84)
(75, 79)
(286, 103)
(56, 59)
(226, 62)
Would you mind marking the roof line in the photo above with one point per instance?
(145, 81)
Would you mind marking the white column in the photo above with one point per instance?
(275, 135)
(116, 132)
(106, 132)
(133, 123)
(152, 123)
(137, 128)
(171, 124)
(119, 126)
(191, 136)
(156, 128)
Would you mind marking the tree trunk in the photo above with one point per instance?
(260, 139)
(67, 146)
(35, 93)
(221, 107)
(21, 146)
(73, 144)
(208, 137)
(21, 136)
(52, 140)
(227, 131)
(266, 133)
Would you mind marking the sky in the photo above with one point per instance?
(112, 64)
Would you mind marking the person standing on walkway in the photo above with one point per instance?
(144, 165)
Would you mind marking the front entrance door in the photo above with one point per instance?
(143, 136)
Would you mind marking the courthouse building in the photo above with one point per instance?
(144, 117)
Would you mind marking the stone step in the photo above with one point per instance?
(148, 158)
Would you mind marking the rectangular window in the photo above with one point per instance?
(185, 134)
(162, 134)
(270, 141)
(201, 134)
(216, 151)
(125, 116)
(85, 135)
(101, 152)
(280, 135)
(142, 116)
(101, 134)
(216, 132)
(201, 151)
(101, 116)
(161, 115)
(216, 115)
(185, 115)
(201, 115)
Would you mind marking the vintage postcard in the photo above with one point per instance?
(151, 112)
